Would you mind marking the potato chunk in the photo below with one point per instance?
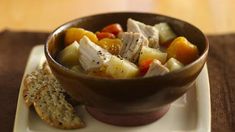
(121, 69)
(182, 50)
(172, 64)
(148, 53)
(165, 32)
(75, 34)
(77, 69)
(69, 55)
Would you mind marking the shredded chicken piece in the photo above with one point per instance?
(91, 55)
(156, 68)
(151, 33)
(132, 44)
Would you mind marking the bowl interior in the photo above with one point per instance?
(97, 22)
(127, 94)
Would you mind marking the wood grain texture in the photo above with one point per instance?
(212, 16)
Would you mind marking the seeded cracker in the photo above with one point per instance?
(49, 100)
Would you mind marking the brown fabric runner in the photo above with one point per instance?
(14, 51)
(221, 66)
(15, 48)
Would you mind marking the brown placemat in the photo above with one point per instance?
(14, 51)
(15, 48)
(221, 66)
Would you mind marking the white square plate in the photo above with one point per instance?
(190, 113)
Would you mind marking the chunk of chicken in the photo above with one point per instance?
(151, 33)
(132, 44)
(92, 56)
(156, 68)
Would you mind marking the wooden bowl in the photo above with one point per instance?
(134, 101)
